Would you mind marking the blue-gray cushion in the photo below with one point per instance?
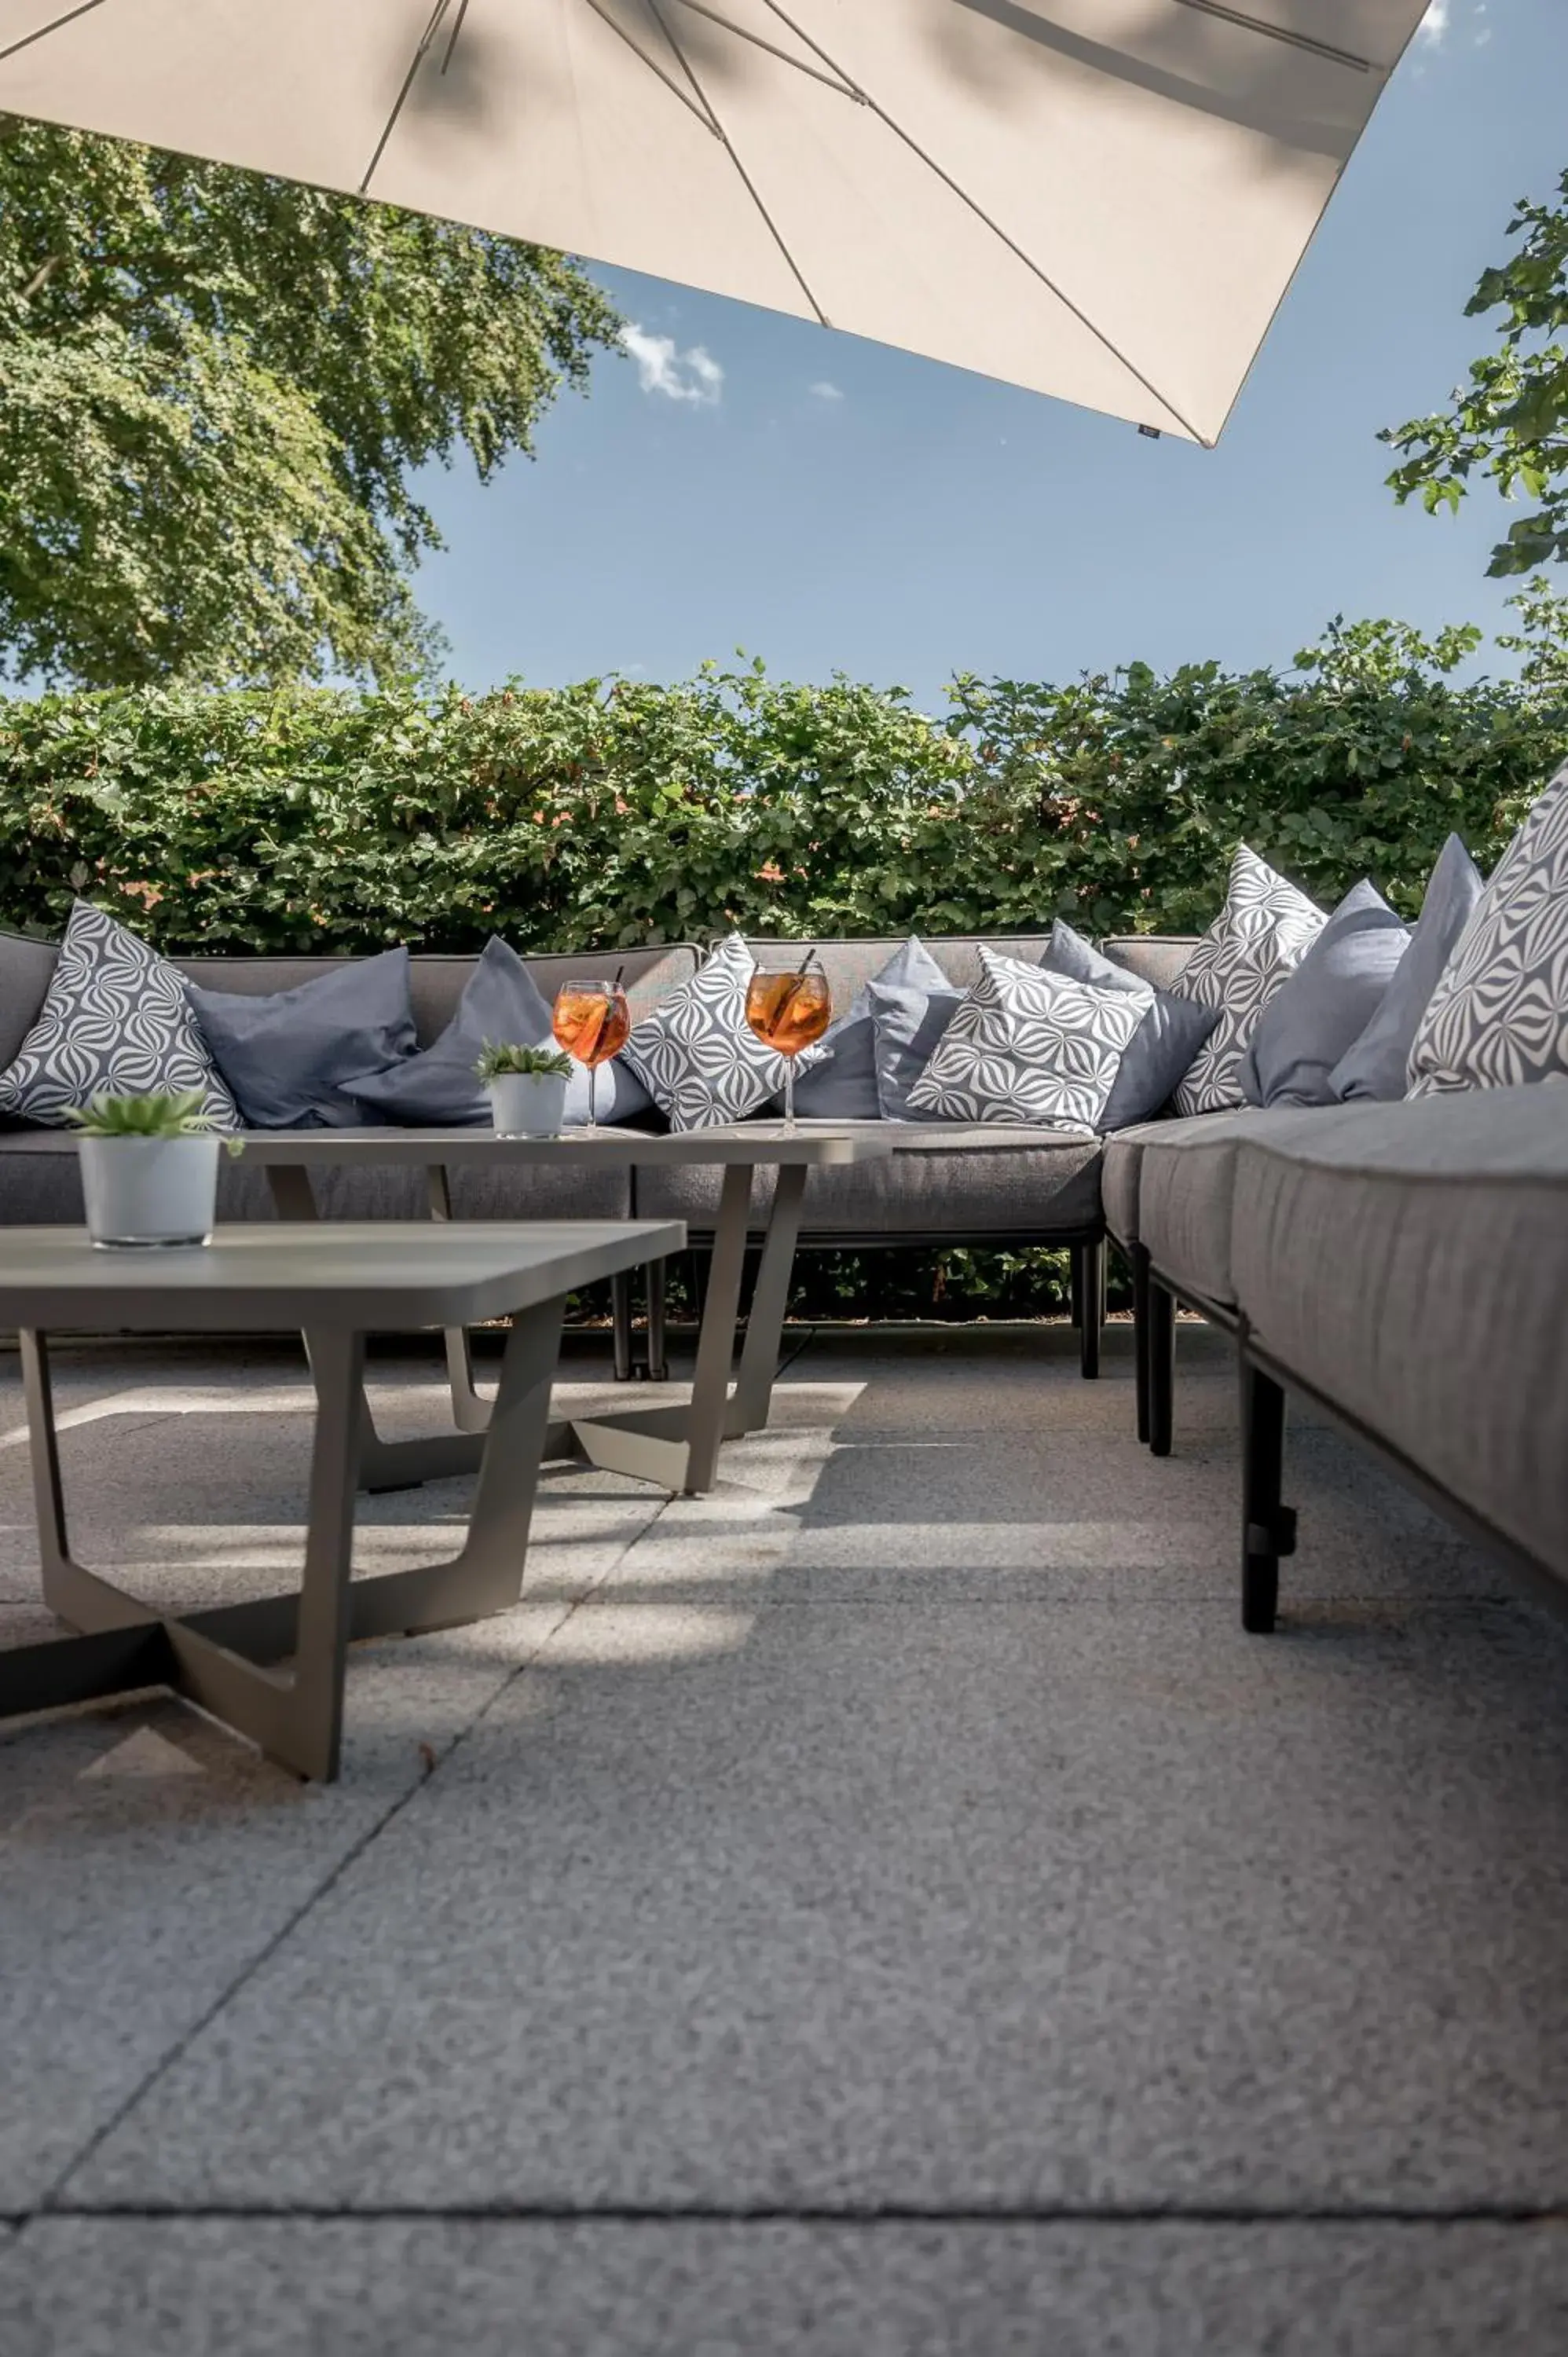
(1162, 1047)
(1323, 1006)
(502, 1003)
(286, 1054)
(1373, 1067)
(845, 1089)
(908, 1020)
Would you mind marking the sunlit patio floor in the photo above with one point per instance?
(886, 1908)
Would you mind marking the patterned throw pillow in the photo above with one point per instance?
(116, 1020)
(697, 1056)
(1499, 1014)
(1028, 1046)
(1262, 933)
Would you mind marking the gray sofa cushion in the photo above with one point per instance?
(844, 1087)
(1264, 931)
(1410, 1262)
(696, 1054)
(961, 1183)
(1162, 1048)
(1030, 1047)
(1323, 1007)
(910, 1020)
(1185, 1181)
(115, 1021)
(1373, 1068)
(1119, 1169)
(285, 1056)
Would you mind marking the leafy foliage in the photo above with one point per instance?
(534, 1064)
(1509, 421)
(613, 812)
(214, 388)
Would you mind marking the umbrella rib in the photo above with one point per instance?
(1030, 264)
(43, 31)
(1281, 33)
(426, 40)
(657, 13)
(833, 80)
(670, 84)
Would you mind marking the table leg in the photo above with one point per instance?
(679, 1447)
(399, 1464)
(223, 1657)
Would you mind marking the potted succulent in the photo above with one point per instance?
(528, 1088)
(149, 1168)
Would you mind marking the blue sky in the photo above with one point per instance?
(829, 504)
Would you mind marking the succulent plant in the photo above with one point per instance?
(537, 1062)
(164, 1113)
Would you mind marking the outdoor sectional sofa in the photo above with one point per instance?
(1402, 1265)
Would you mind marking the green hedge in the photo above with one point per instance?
(613, 812)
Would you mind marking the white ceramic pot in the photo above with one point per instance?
(149, 1190)
(529, 1104)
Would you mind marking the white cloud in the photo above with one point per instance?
(692, 375)
(1434, 25)
(823, 391)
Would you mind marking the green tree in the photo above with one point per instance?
(215, 389)
(1509, 421)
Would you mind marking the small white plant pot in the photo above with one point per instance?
(529, 1104)
(149, 1190)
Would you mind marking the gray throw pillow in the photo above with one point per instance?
(286, 1053)
(1322, 1008)
(1498, 1015)
(1373, 1067)
(1030, 1047)
(1160, 1050)
(501, 1005)
(910, 1018)
(844, 1088)
(116, 1021)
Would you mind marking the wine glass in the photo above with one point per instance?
(592, 1022)
(788, 1008)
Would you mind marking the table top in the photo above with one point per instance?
(752, 1143)
(357, 1273)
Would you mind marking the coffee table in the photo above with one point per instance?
(334, 1286)
(677, 1447)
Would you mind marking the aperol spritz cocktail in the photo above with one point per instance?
(788, 1008)
(592, 1022)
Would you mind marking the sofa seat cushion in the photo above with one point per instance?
(1121, 1170)
(1187, 1175)
(40, 1184)
(1410, 1263)
(948, 1181)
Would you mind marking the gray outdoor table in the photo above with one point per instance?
(334, 1286)
(676, 1446)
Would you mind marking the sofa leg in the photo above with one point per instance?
(1160, 1319)
(658, 1360)
(1075, 1288)
(1138, 1260)
(1268, 1528)
(620, 1320)
(1090, 1261)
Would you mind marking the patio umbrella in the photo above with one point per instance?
(1103, 199)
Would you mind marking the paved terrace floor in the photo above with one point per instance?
(886, 1908)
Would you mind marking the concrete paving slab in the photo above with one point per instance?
(939, 1908)
(492, 2289)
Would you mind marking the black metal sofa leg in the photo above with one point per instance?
(1268, 1528)
(1089, 1261)
(1138, 1261)
(621, 1318)
(658, 1361)
(1160, 1323)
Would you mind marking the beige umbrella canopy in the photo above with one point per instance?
(1103, 199)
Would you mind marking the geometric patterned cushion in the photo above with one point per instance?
(1499, 1013)
(115, 1019)
(1262, 934)
(696, 1054)
(1031, 1047)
